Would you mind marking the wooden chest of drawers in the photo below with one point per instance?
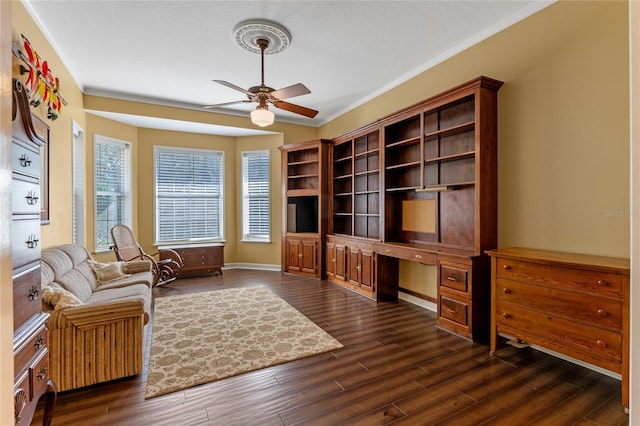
(200, 259)
(573, 304)
(30, 353)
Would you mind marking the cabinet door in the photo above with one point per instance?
(294, 254)
(354, 266)
(309, 257)
(330, 261)
(367, 270)
(341, 262)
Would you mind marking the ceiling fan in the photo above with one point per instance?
(265, 95)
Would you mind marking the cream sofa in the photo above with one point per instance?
(97, 330)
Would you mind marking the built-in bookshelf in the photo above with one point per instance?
(356, 186)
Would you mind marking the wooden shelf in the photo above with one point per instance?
(404, 142)
(452, 157)
(365, 153)
(450, 131)
(404, 165)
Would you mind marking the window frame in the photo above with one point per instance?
(156, 230)
(246, 235)
(127, 185)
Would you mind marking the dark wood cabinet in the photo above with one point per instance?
(30, 351)
(572, 304)
(199, 259)
(305, 207)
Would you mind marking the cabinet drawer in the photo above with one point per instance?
(595, 310)
(39, 373)
(26, 241)
(590, 344)
(604, 283)
(31, 350)
(25, 158)
(454, 277)
(26, 296)
(454, 310)
(407, 253)
(25, 195)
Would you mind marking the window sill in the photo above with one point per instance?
(253, 240)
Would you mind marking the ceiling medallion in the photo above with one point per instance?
(247, 34)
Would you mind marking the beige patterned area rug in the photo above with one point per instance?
(203, 337)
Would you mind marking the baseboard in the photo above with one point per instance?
(417, 301)
(257, 266)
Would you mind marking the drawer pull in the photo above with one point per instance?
(418, 256)
(42, 374)
(25, 161)
(33, 294)
(39, 342)
(602, 312)
(506, 315)
(333, 260)
(603, 283)
(387, 250)
(32, 198)
(453, 311)
(32, 242)
(299, 255)
(506, 290)
(358, 268)
(506, 267)
(452, 278)
(601, 343)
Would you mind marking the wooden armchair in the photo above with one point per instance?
(126, 248)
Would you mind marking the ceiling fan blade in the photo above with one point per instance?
(290, 91)
(234, 87)
(245, 101)
(295, 108)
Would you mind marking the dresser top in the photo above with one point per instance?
(564, 258)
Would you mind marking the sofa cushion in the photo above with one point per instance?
(76, 283)
(46, 273)
(131, 292)
(107, 272)
(145, 278)
(58, 260)
(58, 298)
(76, 253)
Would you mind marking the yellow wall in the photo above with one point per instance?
(563, 126)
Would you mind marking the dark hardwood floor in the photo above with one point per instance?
(396, 368)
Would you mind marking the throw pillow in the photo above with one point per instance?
(59, 298)
(107, 272)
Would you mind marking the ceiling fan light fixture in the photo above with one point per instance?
(261, 116)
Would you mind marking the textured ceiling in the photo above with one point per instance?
(345, 52)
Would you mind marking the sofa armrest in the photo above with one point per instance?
(95, 315)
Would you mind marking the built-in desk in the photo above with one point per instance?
(372, 269)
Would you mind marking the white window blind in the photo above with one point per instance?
(189, 195)
(112, 188)
(78, 184)
(256, 217)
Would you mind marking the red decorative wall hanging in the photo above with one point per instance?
(41, 85)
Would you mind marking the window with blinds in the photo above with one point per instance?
(112, 188)
(256, 216)
(189, 187)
